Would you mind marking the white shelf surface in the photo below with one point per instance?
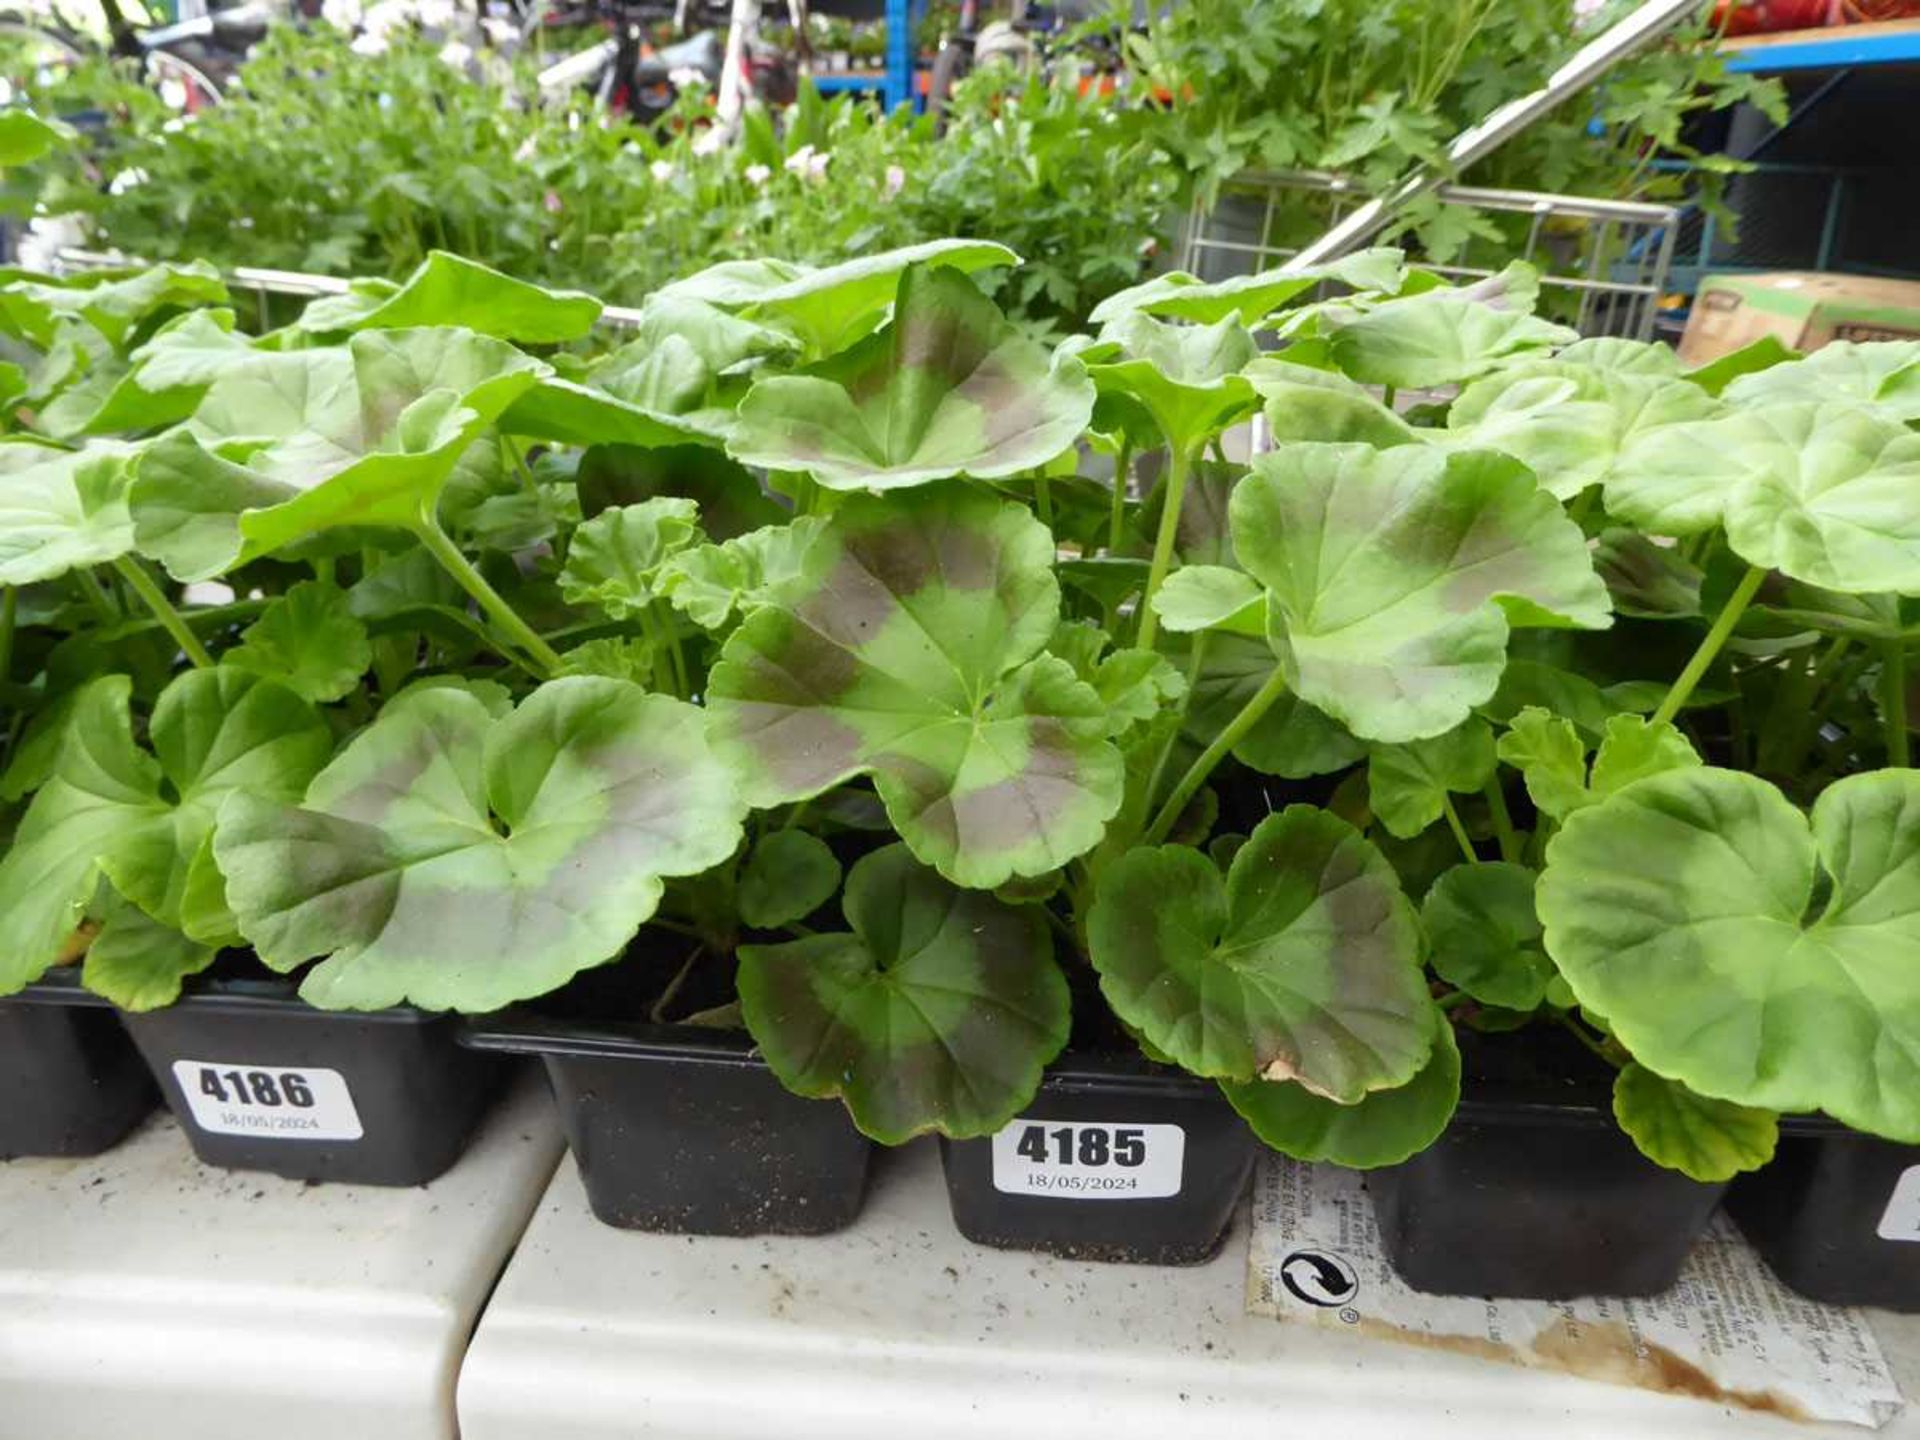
(898, 1327)
(143, 1294)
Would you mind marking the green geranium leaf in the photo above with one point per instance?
(279, 452)
(1443, 337)
(309, 640)
(614, 559)
(829, 309)
(1394, 576)
(909, 647)
(190, 352)
(1187, 377)
(1302, 965)
(1706, 1140)
(1883, 377)
(1407, 785)
(1571, 424)
(1616, 356)
(114, 307)
(1552, 759)
(622, 657)
(951, 387)
(1211, 597)
(1647, 580)
(1314, 412)
(1534, 683)
(1485, 937)
(1135, 686)
(1249, 299)
(139, 963)
(788, 875)
(1763, 354)
(1384, 1128)
(1739, 951)
(112, 809)
(1292, 739)
(1551, 756)
(458, 860)
(710, 584)
(938, 1013)
(1817, 492)
(448, 290)
(61, 510)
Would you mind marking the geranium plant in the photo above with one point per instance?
(825, 630)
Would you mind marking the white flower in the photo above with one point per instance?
(370, 43)
(525, 152)
(174, 126)
(896, 180)
(662, 171)
(126, 180)
(817, 166)
(341, 14)
(456, 54)
(799, 160)
(758, 175)
(435, 14)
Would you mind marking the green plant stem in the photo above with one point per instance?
(1893, 703)
(1503, 821)
(143, 585)
(658, 1014)
(670, 638)
(1122, 477)
(1178, 464)
(545, 657)
(1579, 1032)
(1452, 1000)
(1043, 499)
(97, 596)
(323, 569)
(1696, 667)
(1196, 658)
(1257, 705)
(9, 610)
(1388, 395)
(1459, 830)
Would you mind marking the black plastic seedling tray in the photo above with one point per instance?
(684, 1129)
(71, 1082)
(259, 1080)
(1116, 1159)
(1836, 1215)
(1534, 1192)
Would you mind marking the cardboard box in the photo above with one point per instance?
(1804, 311)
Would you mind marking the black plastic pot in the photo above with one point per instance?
(1171, 1207)
(1836, 1215)
(260, 1080)
(1534, 1192)
(71, 1082)
(684, 1129)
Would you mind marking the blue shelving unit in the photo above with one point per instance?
(895, 83)
(1846, 47)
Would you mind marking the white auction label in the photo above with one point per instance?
(1078, 1160)
(1902, 1218)
(271, 1102)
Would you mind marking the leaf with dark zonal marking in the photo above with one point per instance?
(1384, 1128)
(1302, 965)
(936, 1014)
(288, 446)
(1393, 577)
(951, 387)
(457, 859)
(831, 308)
(909, 647)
